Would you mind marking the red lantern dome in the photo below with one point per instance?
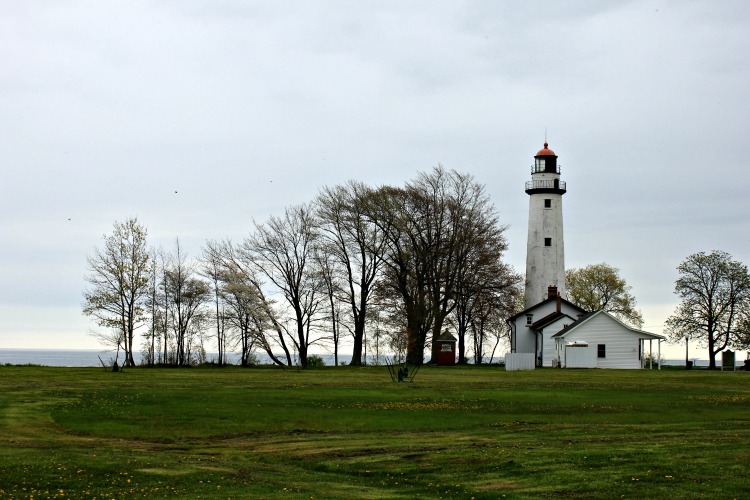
(546, 151)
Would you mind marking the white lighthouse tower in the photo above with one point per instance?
(545, 251)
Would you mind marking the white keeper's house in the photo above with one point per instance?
(551, 331)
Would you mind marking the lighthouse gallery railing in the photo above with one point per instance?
(545, 184)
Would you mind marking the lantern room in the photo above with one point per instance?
(545, 161)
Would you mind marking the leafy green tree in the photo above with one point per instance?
(742, 340)
(118, 279)
(715, 294)
(599, 286)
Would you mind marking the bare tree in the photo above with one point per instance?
(249, 312)
(378, 337)
(148, 349)
(118, 278)
(357, 244)
(213, 269)
(487, 293)
(163, 267)
(402, 294)
(282, 249)
(438, 228)
(715, 294)
(188, 295)
(332, 289)
(246, 313)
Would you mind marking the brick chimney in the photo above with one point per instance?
(551, 292)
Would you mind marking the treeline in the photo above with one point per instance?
(386, 268)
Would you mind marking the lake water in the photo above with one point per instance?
(56, 357)
(91, 357)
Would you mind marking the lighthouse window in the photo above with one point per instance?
(547, 203)
(547, 242)
(539, 165)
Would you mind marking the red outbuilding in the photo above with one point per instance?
(446, 349)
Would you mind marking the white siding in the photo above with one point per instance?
(525, 339)
(579, 357)
(549, 346)
(620, 342)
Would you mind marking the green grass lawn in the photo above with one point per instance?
(469, 432)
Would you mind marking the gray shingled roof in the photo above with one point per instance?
(586, 316)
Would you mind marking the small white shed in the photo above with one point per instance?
(608, 341)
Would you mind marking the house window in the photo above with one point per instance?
(547, 203)
(528, 318)
(601, 350)
(547, 242)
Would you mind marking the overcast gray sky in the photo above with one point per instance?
(245, 107)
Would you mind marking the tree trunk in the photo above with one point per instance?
(416, 340)
(359, 335)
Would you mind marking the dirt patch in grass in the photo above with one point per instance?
(493, 485)
(181, 471)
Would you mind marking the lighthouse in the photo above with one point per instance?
(552, 331)
(545, 250)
